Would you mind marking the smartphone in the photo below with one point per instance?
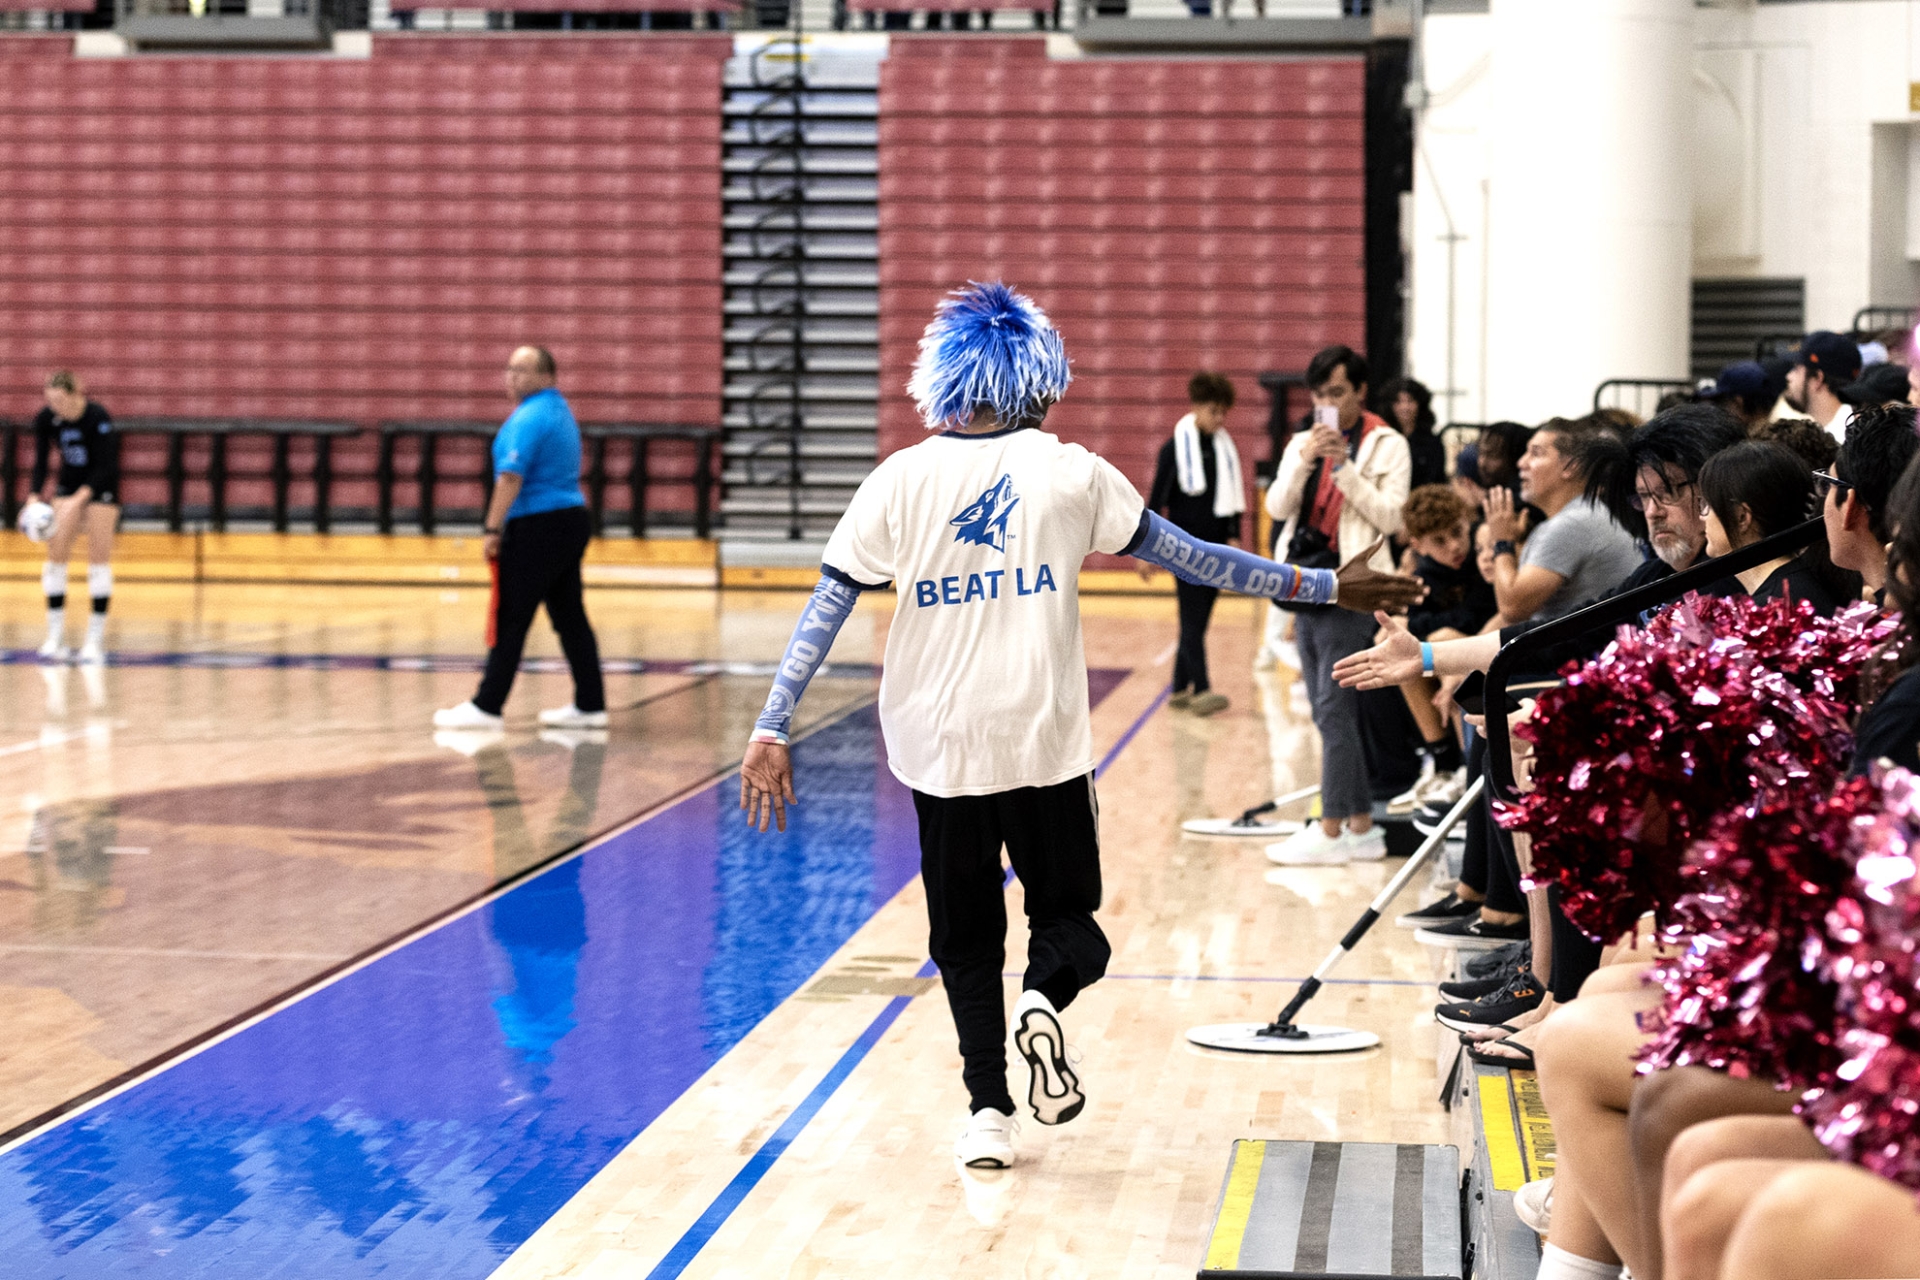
(1326, 415)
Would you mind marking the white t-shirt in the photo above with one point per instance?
(985, 681)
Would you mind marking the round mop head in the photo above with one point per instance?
(1245, 1037)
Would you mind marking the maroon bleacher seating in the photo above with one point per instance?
(1170, 215)
(364, 239)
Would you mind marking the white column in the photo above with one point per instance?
(1590, 200)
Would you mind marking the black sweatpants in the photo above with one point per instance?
(1052, 838)
(1190, 659)
(540, 564)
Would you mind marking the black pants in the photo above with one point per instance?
(540, 564)
(1575, 955)
(1490, 863)
(1190, 660)
(1052, 838)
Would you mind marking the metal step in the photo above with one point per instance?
(816, 331)
(865, 304)
(814, 418)
(829, 246)
(802, 218)
(772, 187)
(818, 362)
(750, 131)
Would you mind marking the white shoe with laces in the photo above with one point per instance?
(93, 654)
(988, 1140)
(466, 716)
(1311, 847)
(1054, 1089)
(1533, 1204)
(53, 649)
(572, 717)
(1366, 846)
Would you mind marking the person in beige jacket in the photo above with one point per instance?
(1348, 481)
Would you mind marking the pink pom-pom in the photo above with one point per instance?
(1717, 703)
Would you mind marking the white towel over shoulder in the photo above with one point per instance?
(1229, 497)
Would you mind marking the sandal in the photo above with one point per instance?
(1520, 1056)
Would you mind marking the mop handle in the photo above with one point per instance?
(1380, 903)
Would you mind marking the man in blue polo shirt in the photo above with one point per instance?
(536, 533)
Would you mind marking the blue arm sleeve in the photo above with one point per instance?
(1213, 565)
(832, 604)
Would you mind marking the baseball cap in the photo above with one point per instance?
(1745, 378)
(1832, 354)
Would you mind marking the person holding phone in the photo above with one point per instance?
(1341, 487)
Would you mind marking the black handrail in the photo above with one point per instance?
(1611, 612)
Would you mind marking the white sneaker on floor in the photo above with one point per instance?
(987, 1142)
(1410, 799)
(1533, 1204)
(1366, 846)
(93, 654)
(572, 717)
(53, 650)
(1054, 1089)
(1311, 847)
(466, 716)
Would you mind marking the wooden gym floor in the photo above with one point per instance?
(685, 1052)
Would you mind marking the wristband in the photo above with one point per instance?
(1426, 659)
(1505, 548)
(491, 533)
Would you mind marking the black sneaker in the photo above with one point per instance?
(1471, 933)
(1451, 907)
(1502, 960)
(1522, 993)
(1474, 988)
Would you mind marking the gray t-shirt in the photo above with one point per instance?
(1583, 545)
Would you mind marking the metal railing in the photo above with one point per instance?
(1638, 396)
(219, 473)
(428, 474)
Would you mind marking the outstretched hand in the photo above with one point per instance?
(1395, 660)
(766, 784)
(1366, 590)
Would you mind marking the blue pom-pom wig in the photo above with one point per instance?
(987, 345)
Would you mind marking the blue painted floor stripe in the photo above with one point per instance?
(1139, 723)
(425, 1114)
(689, 1245)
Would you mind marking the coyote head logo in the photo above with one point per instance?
(984, 522)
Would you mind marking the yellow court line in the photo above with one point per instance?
(1496, 1125)
(1536, 1130)
(1236, 1206)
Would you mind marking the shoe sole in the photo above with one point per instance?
(989, 1162)
(1039, 1028)
(1464, 1024)
(1458, 943)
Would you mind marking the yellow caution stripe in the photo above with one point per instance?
(1497, 1132)
(1536, 1130)
(1236, 1206)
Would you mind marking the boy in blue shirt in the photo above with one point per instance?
(536, 532)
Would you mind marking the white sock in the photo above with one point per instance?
(1557, 1264)
(96, 627)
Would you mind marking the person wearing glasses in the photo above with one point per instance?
(1854, 495)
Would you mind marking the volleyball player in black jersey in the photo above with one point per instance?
(84, 489)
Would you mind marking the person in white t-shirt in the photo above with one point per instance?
(983, 696)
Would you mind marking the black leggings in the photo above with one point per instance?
(1489, 864)
(1190, 660)
(540, 564)
(1052, 838)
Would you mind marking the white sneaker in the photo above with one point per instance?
(468, 742)
(1054, 1089)
(466, 716)
(1311, 847)
(988, 1141)
(53, 650)
(1533, 1204)
(571, 717)
(93, 654)
(1410, 799)
(1445, 789)
(1366, 846)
